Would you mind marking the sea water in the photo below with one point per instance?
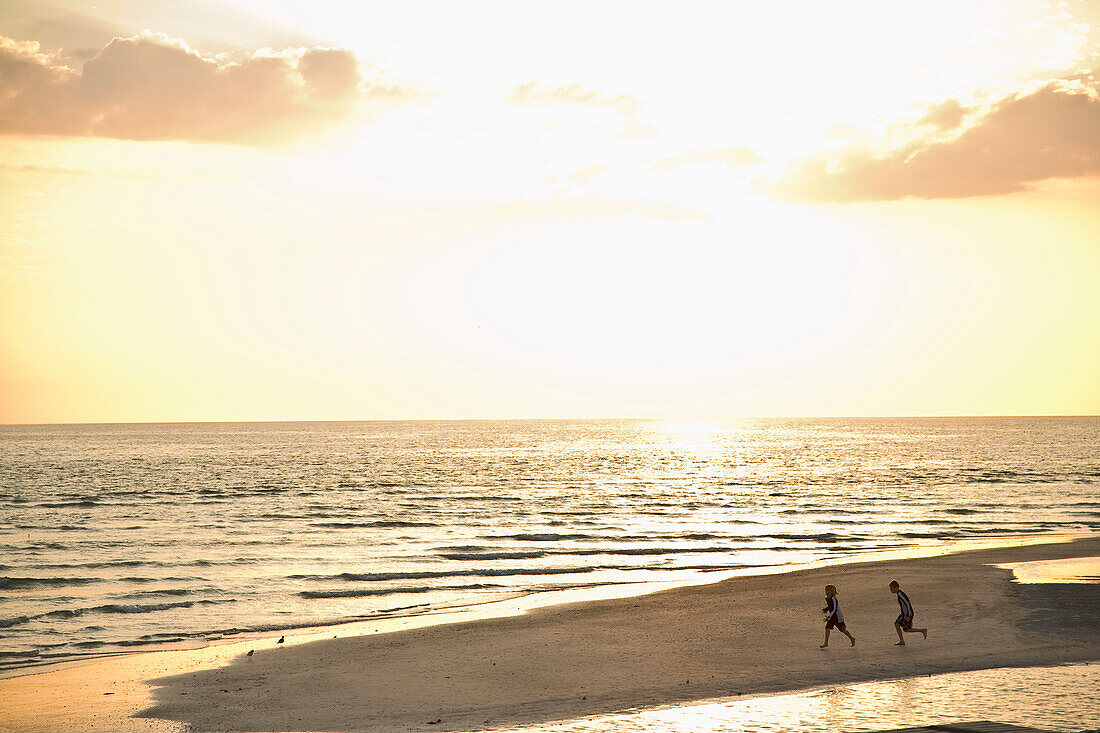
(126, 537)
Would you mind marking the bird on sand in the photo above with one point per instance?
(250, 651)
(281, 640)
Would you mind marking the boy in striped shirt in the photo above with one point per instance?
(834, 619)
(904, 621)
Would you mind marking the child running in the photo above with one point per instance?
(904, 621)
(835, 617)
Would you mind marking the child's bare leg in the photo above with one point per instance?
(918, 631)
(850, 637)
(901, 639)
(826, 639)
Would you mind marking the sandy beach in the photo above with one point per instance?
(736, 637)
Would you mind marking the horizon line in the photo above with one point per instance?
(544, 419)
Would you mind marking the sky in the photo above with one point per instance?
(434, 210)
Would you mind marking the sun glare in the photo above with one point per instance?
(626, 233)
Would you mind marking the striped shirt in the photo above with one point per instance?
(906, 606)
(834, 609)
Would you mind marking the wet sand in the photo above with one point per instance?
(740, 636)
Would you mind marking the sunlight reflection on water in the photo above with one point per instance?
(1065, 698)
(123, 537)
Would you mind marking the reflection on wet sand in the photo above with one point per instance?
(1064, 570)
(1065, 698)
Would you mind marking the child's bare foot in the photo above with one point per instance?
(899, 643)
(823, 646)
(853, 642)
(925, 632)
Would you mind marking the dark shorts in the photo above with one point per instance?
(832, 624)
(905, 622)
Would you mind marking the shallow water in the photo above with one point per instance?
(1065, 698)
(122, 537)
(1065, 570)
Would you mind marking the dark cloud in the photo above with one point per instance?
(735, 157)
(1050, 133)
(151, 87)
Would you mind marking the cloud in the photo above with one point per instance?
(152, 87)
(634, 130)
(536, 94)
(586, 173)
(49, 169)
(945, 116)
(1053, 132)
(735, 157)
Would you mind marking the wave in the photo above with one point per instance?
(544, 537)
(997, 476)
(830, 511)
(44, 546)
(583, 536)
(167, 639)
(67, 651)
(971, 531)
(19, 655)
(58, 527)
(376, 523)
(828, 537)
(64, 613)
(83, 504)
(506, 555)
(654, 551)
(27, 583)
(638, 551)
(103, 564)
(485, 497)
(161, 592)
(367, 593)
(647, 551)
(134, 608)
(457, 573)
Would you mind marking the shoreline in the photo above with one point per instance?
(524, 600)
(624, 652)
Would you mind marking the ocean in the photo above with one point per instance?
(116, 538)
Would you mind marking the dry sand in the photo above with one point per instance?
(739, 636)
